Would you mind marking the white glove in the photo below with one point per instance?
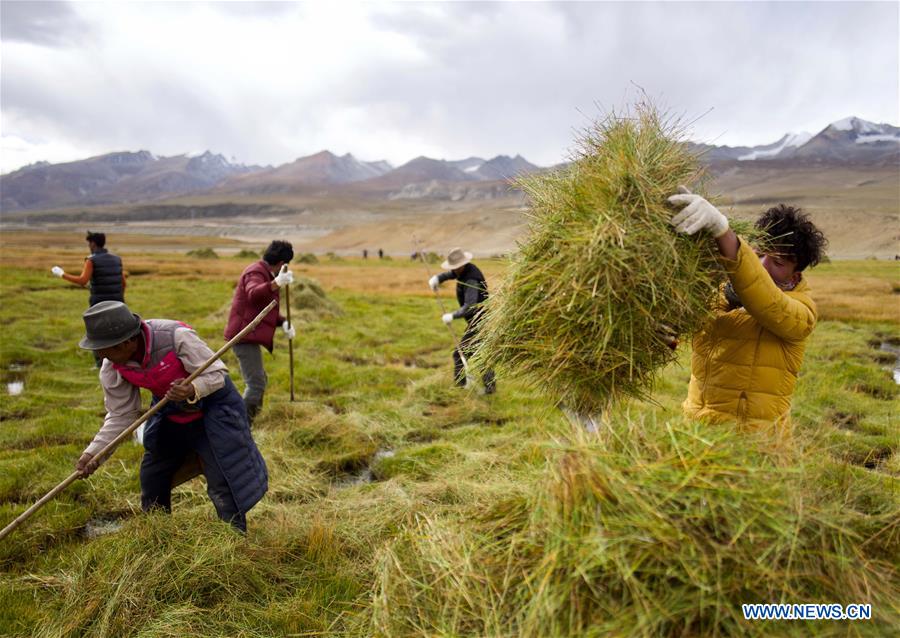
(284, 277)
(447, 317)
(697, 214)
(289, 330)
(433, 283)
(56, 270)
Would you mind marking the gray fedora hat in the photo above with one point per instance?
(457, 258)
(107, 324)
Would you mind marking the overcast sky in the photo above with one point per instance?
(265, 83)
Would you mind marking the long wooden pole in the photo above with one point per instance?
(102, 455)
(287, 301)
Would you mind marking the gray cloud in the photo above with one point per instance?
(267, 82)
(43, 23)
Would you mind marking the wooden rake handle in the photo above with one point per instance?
(101, 456)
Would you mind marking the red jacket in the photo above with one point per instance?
(252, 294)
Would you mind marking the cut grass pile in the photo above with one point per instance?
(663, 528)
(181, 576)
(245, 254)
(306, 258)
(203, 253)
(602, 276)
(309, 301)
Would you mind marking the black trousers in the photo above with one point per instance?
(467, 345)
(178, 440)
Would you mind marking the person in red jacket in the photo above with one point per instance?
(259, 284)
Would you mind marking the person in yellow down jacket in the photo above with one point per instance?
(745, 361)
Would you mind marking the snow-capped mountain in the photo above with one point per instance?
(790, 140)
(853, 140)
(850, 140)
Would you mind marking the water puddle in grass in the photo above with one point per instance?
(101, 527)
(364, 475)
(14, 376)
(894, 349)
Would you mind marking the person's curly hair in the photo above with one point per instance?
(793, 234)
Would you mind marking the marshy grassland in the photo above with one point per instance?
(400, 506)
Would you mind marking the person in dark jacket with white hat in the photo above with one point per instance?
(471, 293)
(205, 418)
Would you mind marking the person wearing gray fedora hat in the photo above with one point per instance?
(204, 422)
(471, 293)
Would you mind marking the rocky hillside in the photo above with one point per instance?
(125, 178)
(113, 178)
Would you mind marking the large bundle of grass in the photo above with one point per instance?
(662, 529)
(602, 276)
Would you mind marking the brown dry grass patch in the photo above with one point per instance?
(846, 298)
(842, 294)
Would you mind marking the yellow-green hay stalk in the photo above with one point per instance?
(580, 312)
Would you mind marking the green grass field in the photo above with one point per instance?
(401, 506)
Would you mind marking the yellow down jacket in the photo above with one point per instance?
(745, 361)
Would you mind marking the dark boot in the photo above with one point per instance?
(490, 383)
(459, 372)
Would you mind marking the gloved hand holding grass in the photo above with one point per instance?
(57, 271)
(447, 318)
(697, 214)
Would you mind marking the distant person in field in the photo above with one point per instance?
(205, 418)
(471, 293)
(102, 271)
(745, 362)
(259, 284)
(380, 254)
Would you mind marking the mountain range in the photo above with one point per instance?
(130, 177)
(851, 140)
